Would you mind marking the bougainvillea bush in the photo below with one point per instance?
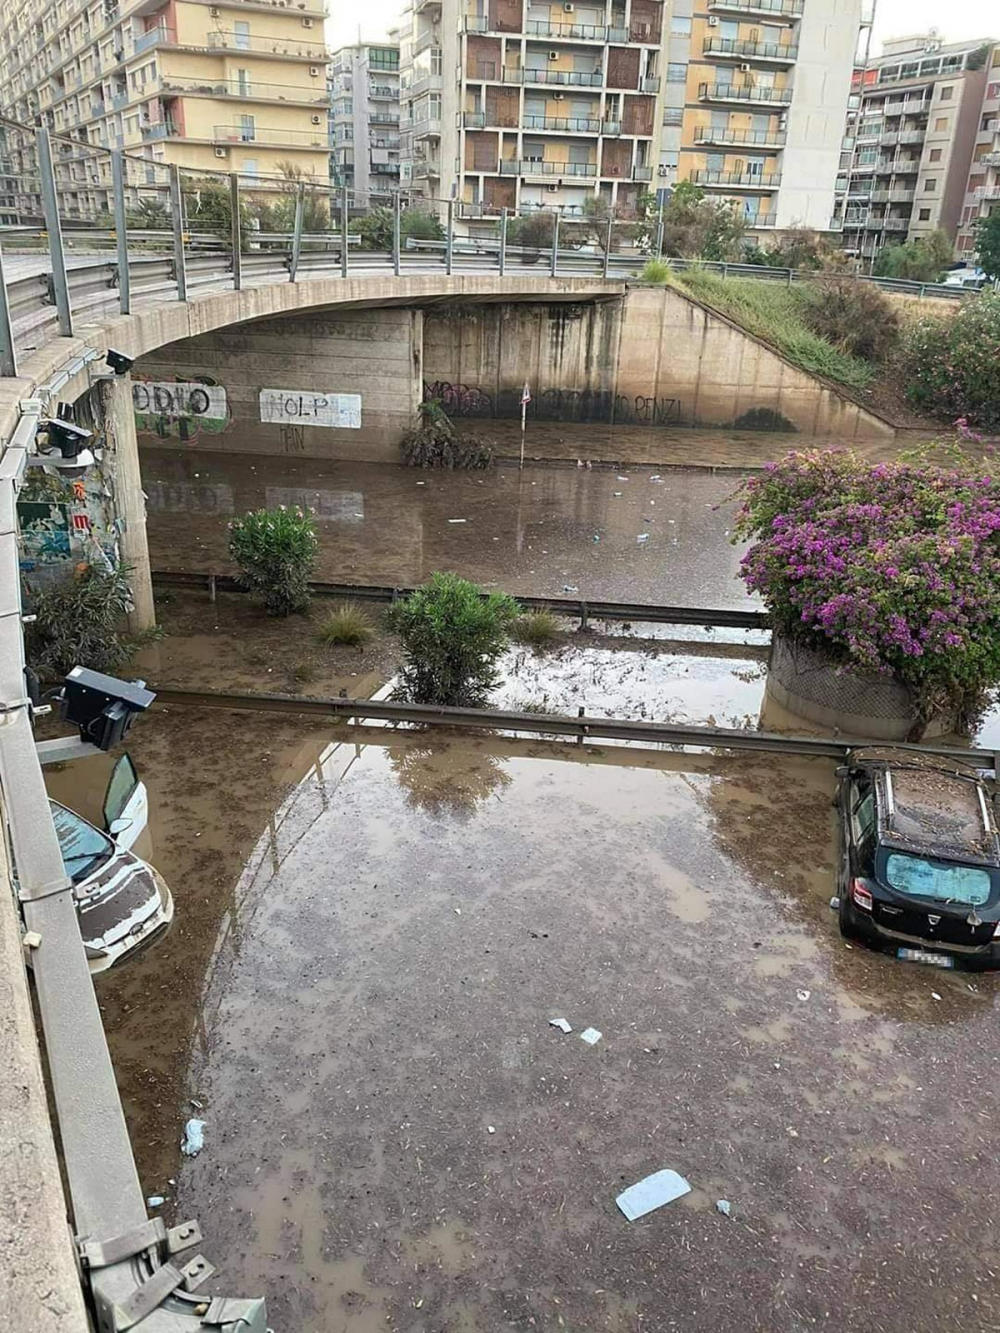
(893, 567)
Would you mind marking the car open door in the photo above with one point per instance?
(126, 806)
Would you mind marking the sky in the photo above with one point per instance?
(957, 21)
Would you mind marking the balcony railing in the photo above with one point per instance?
(224, 40)
(316, 138)
(567, 32)
(243, 89)
(474, 120)
(790, 8)
(732, 92)
(535, 167)
(382, 92)
(573, 78)
(384, 169)
(743, 179)
(423, 170)
(730, 46)
(912, 136)
(650, 84)
(988, 194)
(640, 173)
(430, 126)
(155, 37)
(564, 124)
(761, 219)
(989, 160)
(424, 43)
(902, 196)
(384, 118)
(612, 128)
(758, 138)
(165, 129)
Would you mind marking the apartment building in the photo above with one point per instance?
(519, 104)
(982, 194)
(910, 139)
(364, 118)
(235, 85)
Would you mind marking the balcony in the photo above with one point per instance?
(384, 118)
(989, 160)
(889, 140)
(988, 194)
(650, 84)
(915, 106)
(567, 32)
(315, 138)
(612, 128)
(736, 180)
(892, 108)
(289, 48)
(836, 224)
(563, 124)
(732, 92)
(383, 92)
(758, 220)
(901, 196)
(428, 40)
(788, 8)
(245, 91)
(732, 49)
(165, 129)
(640, 173)
(854, 218)
(475, 23)
(425, 170)
(912, 136)
(862, 168)
(388, 169)
(535, 167)
(572, 78)
(119, 101)
(428, 128)
(756, 138)
(474, 120)
(155, 37)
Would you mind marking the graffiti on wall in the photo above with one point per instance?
(45, 530)
(598, 405)
(180, 409)
(307, 407)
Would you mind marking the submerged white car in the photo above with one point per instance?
(122, 903)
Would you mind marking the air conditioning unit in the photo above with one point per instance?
(214, 12)
(552, 189)
(222, 152)
(317, 120)
(662, 170)
(713, 20)
(553, 55)
(314, 70)
(558, 97)
(568, 7)
(307, 23)
(745, 69)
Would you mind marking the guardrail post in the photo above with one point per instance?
(555, 243)
(396, 230)
(177, 225)
(8, 357)
(121, 232)
(344, 222)
(234, 211)
(300, 208)
(607, 245)
(449, 237)
(503, 241)
(50, 208)
(659, 233)
(791, 276)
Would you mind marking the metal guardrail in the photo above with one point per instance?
(572, 608)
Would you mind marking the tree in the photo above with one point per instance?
(988, 244)
(452, 636)
(950, 365)
(854, 316)
(799, 247)
(208, 208)
(376, 227)
(274, 551)
(923, 260)
(694, 227)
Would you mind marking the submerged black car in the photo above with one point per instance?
(919, 858)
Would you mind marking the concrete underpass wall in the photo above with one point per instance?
(369, 355)
(656, 359)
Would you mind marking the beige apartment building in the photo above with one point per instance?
(364, 119)
(235, 85)
(982, 194)
(911, 135)
(523, 105)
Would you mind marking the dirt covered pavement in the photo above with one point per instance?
(537, 532)
(398, 1139)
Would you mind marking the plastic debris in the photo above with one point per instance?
(561, 1024)
(570, 587)
(31, 939)
(651, 1193)
(591, 1036)
(155, 1201)
(935, 995)
(724, 1207)
(617, 494)
(458, 520)
(194, 1138)
(834, 904)
(621, 478)
(803, 995)
(491, 1129)
(642, 537)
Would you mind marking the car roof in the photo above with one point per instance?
(929, 805)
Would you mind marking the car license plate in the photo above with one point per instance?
(923, 956)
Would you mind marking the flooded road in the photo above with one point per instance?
(546, 531)
(358, 991)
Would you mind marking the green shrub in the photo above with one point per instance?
(532, 232)
(855, 317)
(655, 270)
(78, 622)
(951, 365)
(434, 442)
(274, 551)
(537, 628)
(345, 625)
(452, 636)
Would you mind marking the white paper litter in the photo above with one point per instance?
(458, 520)
(653, 1192)
(724, 1207)
(194, 1138)
(591, 1036)
(561, 1024)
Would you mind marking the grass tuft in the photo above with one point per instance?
(346, 626)
(539, 629)
(656, 270)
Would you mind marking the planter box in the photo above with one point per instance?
(804, 681)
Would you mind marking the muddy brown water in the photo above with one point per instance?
(373, 931)
(531, 532)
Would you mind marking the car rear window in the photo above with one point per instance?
(83, 847)
(919, 878)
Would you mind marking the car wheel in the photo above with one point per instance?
(847, 926)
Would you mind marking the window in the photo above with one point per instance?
(940, 124)
(920, 878)
(247, 128)
(83, 847)
(935, 154)
(948, 93)
(930, 184)
(863, 809)
(243, 82)
(241, 34)
(924, 215)
(676, 73)
(680, 25)
(249, 167)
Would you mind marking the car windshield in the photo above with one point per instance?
(83, 847)
(918, 878)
